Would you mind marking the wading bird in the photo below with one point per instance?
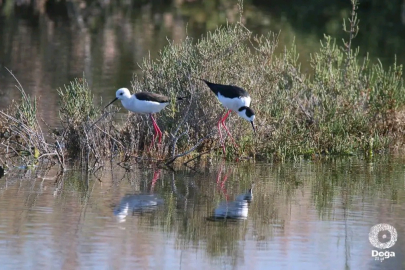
(144, 103)
(235, 99)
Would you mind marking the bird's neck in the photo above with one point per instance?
(128, 101)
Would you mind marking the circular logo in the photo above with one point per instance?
(382, 227)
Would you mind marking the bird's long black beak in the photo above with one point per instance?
(253, 126)
(111, 103)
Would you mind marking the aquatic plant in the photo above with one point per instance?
(82, 135)
(21, 135)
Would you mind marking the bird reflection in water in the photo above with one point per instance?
(132, 204)
(237, 209)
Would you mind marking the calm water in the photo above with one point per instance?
(306, 215)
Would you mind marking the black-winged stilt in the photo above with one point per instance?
(144, 103)
(235, 99)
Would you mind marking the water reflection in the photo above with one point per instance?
(237, 209)
(136, 204)
(304, 215)
(247, 196)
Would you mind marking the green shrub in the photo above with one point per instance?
(344, 105)
(345, 102)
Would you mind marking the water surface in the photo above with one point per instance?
(304, 215)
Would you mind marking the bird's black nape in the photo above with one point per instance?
(249, 111)
(111, 102)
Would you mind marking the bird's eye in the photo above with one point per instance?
(121, 94)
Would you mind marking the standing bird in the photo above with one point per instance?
(235, 99)
(144, 103)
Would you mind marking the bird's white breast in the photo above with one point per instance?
(142, 106)
(234, 103)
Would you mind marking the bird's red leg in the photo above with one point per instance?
(227, 130)
(159, 132)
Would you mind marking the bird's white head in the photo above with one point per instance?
(248, 114)
(123, 93)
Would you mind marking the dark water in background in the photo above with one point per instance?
(305, 215)
(46, 50)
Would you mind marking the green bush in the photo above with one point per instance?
(340, 108)
(344, 105)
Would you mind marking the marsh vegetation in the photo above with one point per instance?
(344, 105)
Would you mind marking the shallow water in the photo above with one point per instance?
(304, 215)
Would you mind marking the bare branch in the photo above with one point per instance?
(188, 151)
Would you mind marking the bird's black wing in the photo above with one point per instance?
(146, 96)
(228, 91)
